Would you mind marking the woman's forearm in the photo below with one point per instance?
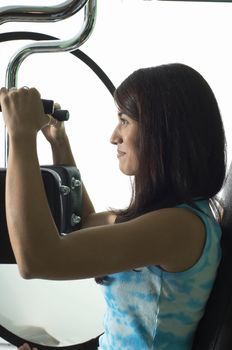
(29, 219)
(62, 152)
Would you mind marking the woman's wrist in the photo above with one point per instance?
(61, 151)
(22, 139)
(59, 142)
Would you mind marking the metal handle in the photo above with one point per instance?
(16, 13)
(72, 44)
(59, 114)
(52, 46)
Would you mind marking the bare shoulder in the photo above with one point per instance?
(183, 235)
(172, 238)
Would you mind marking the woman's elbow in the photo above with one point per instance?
(26, 273)
(26, 269)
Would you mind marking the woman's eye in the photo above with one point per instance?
(123, 121)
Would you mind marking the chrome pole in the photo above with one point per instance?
(40, 13)
(90, 11)
(52, 46)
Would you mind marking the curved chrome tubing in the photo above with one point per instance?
(90, 11)
(52, 46)
(39, 13)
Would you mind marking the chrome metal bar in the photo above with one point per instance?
(52, 46)
(40, 13)
(72, 44)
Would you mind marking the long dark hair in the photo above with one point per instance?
(181, 141)
(182, 147)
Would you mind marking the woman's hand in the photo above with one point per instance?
(54, 131)
(23, 111)
(25, 346)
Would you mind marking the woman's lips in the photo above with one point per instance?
(120, 154)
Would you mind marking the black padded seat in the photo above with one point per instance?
(214, 331)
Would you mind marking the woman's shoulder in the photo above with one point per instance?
(169, 237)
(194, 226)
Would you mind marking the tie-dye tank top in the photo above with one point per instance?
(150, 309)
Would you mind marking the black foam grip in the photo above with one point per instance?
(61, 115)
(48, 106)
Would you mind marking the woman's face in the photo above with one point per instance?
(126, 137)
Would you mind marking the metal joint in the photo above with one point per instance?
(75, 219)
(65, 190)
(75, 183)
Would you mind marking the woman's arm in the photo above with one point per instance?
(156, 238)
(62, 155)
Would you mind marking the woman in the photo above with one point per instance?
(157, 259)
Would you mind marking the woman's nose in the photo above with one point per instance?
(116, 137)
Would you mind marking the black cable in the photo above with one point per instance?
(17, 341)
(10, 36)
(10, 337)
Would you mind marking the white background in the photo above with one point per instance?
(128, 34)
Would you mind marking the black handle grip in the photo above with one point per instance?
(59, 114)
(48, 106)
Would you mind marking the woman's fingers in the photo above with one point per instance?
(3, 94)
(50, 121)
(23, 110)
(57, 105)
(26, 346)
